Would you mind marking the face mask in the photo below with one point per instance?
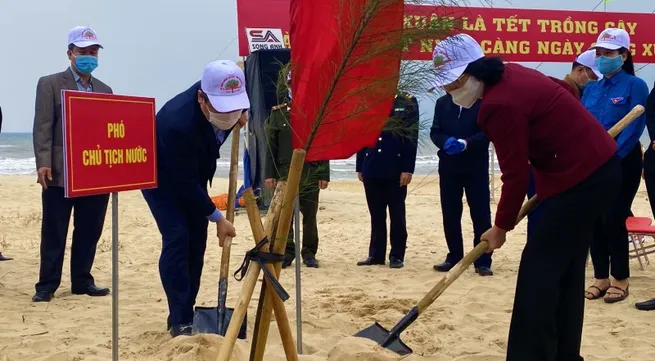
(607, 65)
(224, 121)
(86, 63)
(468, 94)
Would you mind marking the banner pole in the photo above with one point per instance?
(298, 290)
(114, 276)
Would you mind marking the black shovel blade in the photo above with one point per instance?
(378, 334)
(205, 320)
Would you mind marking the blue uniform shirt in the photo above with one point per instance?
(609, 100)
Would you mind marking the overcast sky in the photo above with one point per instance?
(155, 47)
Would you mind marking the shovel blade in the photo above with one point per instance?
(378, 334)
(205, 320)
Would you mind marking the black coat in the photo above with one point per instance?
(395, 150)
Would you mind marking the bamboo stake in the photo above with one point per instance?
(293, 182)
(260, 330)
(281, 316)
(279, 246)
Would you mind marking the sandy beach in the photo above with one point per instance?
(469, 321)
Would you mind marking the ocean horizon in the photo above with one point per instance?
(17, 158)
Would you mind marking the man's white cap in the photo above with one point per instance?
(452, 55)
(613, 39)
(225, 85)
(588, 59)
(82, 36)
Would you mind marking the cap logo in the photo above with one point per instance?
(607, 36)
(89, 34)
(231, 84)
(440, 58)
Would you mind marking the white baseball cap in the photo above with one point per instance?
(613, 39)
(588, 59)
(452, 55)
(225, 85)
(82, 36)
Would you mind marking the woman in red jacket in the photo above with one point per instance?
(530, 118)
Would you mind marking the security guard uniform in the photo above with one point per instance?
(467, 172)
(280, 150)
(381, 167)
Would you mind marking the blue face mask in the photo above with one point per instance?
(86, 63)
(607, 65)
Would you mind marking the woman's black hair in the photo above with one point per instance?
(489, 70)
(628, 64)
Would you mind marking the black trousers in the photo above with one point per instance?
(184, 240)
(308, 200)
(380, 194)
(88, 222)
(452, 184)
(549, 303)
(610, 245)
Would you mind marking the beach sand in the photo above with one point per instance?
(469, 321)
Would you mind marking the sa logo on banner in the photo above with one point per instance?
(260, 38)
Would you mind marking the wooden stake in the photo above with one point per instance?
(279, 245)
(281, 316)
(225, 254)
(260, 330)
(293, 183)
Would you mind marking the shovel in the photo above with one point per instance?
(216, 319)
(391, 339)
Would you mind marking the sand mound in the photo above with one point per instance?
(360, 349)
(202, 347)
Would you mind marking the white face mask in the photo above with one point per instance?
(467, 95)
(224, 121)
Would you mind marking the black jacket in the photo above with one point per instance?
(395, 150)
(451, 120)
(187, 150)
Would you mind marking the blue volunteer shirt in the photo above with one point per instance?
(611, 99)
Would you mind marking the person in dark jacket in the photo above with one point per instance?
(533, 121)
(386, 170)
(463, 167)
(190, 130)
(649, 174)
(314, 178)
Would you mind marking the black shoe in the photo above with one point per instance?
(444, 267)
(310, 262)
(396, 263)
(3, 258)
(91, 290)
(370, 261)
(484, 271)
(646, 305)
(182, 330)
(42, 296)
(287, 261)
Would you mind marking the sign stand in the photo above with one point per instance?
(114, 276)
(296, 212)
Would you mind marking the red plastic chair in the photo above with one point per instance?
(638, 229)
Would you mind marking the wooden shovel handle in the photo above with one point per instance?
(481, 248)
(231, 199)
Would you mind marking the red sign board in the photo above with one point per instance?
(109, 143)
(515, 34)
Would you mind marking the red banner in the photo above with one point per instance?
(515, 34)
(109, 143)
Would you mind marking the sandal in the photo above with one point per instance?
(600, 294)
(623, 295)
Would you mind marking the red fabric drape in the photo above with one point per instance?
(322, 32)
